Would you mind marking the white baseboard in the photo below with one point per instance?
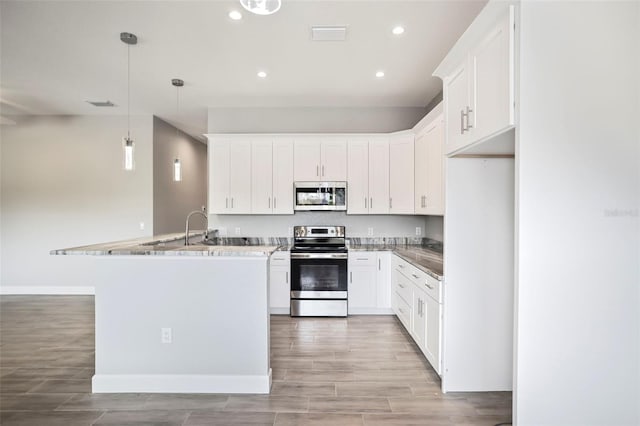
(47, 290)
(279, 311)
(180, 383)
(371, 311)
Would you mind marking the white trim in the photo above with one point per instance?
(47, 290)
(279, 311)
(180, 383)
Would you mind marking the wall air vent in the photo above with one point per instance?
(328, 33)
(101, 103)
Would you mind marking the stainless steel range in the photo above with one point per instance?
(319, 272)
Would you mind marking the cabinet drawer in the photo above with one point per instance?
(362, 258)
(403, 311)
(280, 258)
(416, 275)
(403, 288)
(433, 287)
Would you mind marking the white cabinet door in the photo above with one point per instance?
(240, 176)
(401, 178)
(378, 176)
(383, 280)
(433, 341)
(362, 287)
(333, 164)
(219, 176)
(261, 176)
(421, 172)
(493, 80)
(279, 285)
(306, 161)
(419, 323)
(358, 177)
(433, 201)
(282, 202)
(456, 89)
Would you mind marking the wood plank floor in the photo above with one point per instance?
(363, 370)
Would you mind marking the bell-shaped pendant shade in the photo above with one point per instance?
(261, 7)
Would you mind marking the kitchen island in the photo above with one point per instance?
(180, 319)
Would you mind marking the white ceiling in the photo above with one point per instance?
(57, 55)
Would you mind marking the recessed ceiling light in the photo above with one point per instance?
(380, 74)
(262, 74)
(235, 15)
(398, 30)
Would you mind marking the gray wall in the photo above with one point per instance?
(63, 185)
(172, 201)
(313, 120)
(578, 177)
(279, 226)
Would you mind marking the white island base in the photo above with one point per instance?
(216, 308)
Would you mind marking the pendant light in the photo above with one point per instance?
(177, 166)
(261, 7)
(127, 143)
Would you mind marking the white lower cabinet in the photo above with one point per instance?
(279, 284)
(417, 301)
(368, 282)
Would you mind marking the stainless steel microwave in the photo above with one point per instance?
(320, 196)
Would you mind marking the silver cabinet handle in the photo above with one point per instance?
(351, 277)
(415, 276)
(317, 170)
(462, 129)
(323, 170)
(362, 258)
(379, 265)
(419, 307)
(365, 202)
(469, 111)
(400, 309)
(371, 202)
(400, 285)
(231, 202)
(274, 202)
(269, 202)
(390, 202)
(429, 286)
(226, 203)
(401, 265)
(286, 277)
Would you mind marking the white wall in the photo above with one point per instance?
(578, 152)
(63, 185)
(356, 225)
(172, 201)
(313, 120)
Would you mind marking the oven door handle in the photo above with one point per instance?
(319, 255)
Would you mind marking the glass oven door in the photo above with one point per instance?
(318, 276)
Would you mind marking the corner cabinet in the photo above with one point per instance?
(429, 165)
(479, 96)
(230, 176)
(368, 176)
(401, 178)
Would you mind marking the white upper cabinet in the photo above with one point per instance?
(282, 202)
(318, 159)
(230, 171)
(429, 164)
(478, 82)
(261, 176)
(272, 176)
(368, 176)
(401, 177)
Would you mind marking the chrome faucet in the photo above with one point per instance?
(186, 230)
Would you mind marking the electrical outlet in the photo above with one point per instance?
(370, 232)
(237, 231)
(166, 336)
(142, 226)
(418, 231)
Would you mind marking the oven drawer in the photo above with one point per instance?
(318, 308)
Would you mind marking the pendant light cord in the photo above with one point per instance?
(128, 92)
(177, 110)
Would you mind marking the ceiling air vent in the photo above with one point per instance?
(101, 103)
(332, 33)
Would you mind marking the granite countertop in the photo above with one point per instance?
(171, 245)
(426, 257)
